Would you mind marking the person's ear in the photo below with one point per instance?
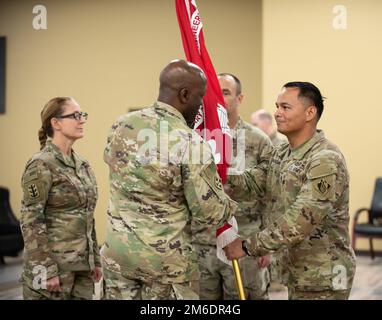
(311, 113)
(240, 98)
(56, 125)
(184, 95)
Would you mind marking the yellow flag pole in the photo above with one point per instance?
(239, 282)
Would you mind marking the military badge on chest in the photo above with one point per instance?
(296, 167)
(291, 174)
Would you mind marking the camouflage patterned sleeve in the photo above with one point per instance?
(265, 151)
(97, 256)
(36, 183)
(251, 184)
(326, 181)
(208, 203)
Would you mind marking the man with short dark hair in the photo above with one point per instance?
(308, 182)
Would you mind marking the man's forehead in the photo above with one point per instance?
(226, 81)
(291, 90)
(288, 93)
(226, 77)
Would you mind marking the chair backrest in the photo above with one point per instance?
(376, 203)
(6, 213)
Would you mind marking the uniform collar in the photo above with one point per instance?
(299, 152)
(68, 161)
(169, 109)
(239, 124)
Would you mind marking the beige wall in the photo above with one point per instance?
(299, 43)
(108, 55)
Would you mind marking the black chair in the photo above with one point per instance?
(372, 229)
(11, 239)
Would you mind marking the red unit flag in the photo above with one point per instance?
(211, 121)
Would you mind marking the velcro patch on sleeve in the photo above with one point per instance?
(322, 176)
(323, 188)
(33, 192)
(30, 175)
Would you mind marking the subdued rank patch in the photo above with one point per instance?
(33, 191)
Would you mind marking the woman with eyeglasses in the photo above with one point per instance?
(61, 258)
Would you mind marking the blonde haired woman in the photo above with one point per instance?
(59, 197)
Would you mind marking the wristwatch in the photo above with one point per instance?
(244, 245)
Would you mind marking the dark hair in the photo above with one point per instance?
(237, 81)
(53, 108)
(310, 93)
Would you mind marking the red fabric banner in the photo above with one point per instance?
(212, 118)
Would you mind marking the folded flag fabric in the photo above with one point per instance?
(224, 236)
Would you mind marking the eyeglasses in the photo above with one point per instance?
(75, 115)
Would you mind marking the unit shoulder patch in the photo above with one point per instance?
(33, 192)
(323, 188)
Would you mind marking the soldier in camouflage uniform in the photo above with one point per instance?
(62, 258)
(307, 180)
(250, 145)
(164, 190)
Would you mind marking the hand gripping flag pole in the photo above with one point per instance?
(213, 115)
(225, 235)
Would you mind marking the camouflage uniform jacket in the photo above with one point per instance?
(310, 186)
(59, 197)
(249, 146)
(159, 199)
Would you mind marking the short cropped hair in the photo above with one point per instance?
(310, 93)
(237, 81)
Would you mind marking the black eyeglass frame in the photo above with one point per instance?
(75, 115)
